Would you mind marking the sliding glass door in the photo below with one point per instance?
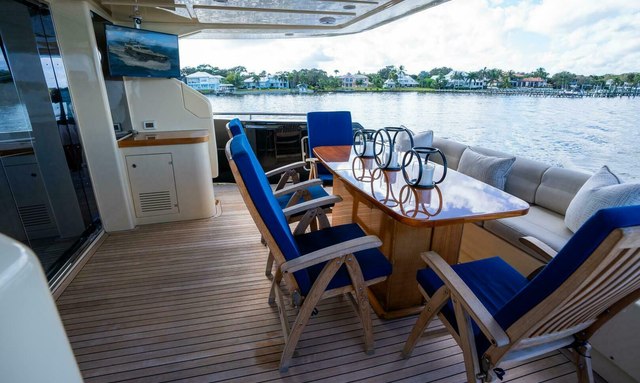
(45, 190)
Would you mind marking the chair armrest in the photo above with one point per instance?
(285, 168)
(313, 204)
(467, 298)
(542, 249)
(330, 252)
(295, 187)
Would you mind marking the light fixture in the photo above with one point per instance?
(327, 20)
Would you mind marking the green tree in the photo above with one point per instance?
(562, 79)
(541, 72)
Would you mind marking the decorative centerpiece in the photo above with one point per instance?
(419, 202)
(417, 170)
(383, 184)
(363, 142)
(361, 167)
(385, 148)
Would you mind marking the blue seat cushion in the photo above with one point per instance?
(327, 178)
(372, 262)
(492, 280)
(581, 245)
(236, 128)
(315, 191)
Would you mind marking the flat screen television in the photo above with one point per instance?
(140, 53)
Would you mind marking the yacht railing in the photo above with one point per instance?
(262, 115)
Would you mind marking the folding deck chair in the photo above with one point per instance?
(288, 195)
(316, 265)
(497, 315)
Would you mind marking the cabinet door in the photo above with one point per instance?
(153, 184)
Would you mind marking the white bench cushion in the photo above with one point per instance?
(544, 224)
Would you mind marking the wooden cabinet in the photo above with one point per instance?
(153, 184)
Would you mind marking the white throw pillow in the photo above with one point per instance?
(604, 189)
(488, 169)
(420, 139)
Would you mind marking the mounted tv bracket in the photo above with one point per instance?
(137, 19)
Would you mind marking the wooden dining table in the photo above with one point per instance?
(409, 220)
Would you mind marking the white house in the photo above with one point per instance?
(354, 81)
(204, 81)
(405, 81)
(266, 82)
(389, 84)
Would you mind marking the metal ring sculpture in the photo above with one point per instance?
(363, 142)
(423, 201)
(421, 154)
(388, 198)
(360, 167)
(384, 147)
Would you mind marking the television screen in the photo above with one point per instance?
(139, 53)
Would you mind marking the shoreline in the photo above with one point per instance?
(529, 92)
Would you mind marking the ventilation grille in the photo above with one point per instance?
(34, 215)
(155, 201)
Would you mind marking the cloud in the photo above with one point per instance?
(582, 36)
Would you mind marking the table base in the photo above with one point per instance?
(402, 244)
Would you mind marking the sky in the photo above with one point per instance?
(580, 36)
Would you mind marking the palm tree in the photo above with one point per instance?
(542, 73)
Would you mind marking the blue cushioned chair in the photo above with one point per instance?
(290, 195)
(315, 265)
(496, 315)
(287, 173)
(328, 129)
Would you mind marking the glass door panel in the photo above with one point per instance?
(45, 184)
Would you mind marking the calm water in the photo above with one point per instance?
(580, 134)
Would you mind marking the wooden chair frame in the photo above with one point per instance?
(334, 256)
(607, 282)
(289, 183)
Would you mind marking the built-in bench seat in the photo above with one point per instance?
(548, 190)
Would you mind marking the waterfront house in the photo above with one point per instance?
(406, 81)
(204, 81)
(389, 84)
(354, 81)
(532, 82)
(266, 82)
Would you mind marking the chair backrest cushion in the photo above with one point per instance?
(328, 129)
(262, 196)
(235, 126)
(583, 243)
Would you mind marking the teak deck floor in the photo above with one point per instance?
(187, 301)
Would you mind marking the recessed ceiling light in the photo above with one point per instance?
(327, 20)
(349, 6)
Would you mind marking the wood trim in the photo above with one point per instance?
(181, 137)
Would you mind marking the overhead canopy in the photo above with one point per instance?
(262, 18)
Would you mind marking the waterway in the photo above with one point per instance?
(582, 133)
